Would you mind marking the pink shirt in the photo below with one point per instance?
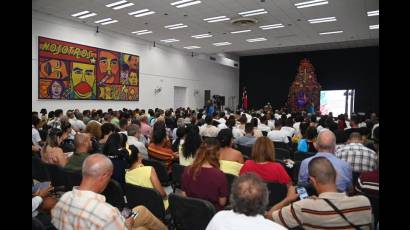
(146, 130)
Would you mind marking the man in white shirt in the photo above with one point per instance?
(134, 134)
(277, 134)
(296, 125)
(35, 135)
(208, 130)
(249, 199)
(287, 128)
(263, 125)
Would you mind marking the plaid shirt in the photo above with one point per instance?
(361, 158)
(79, 209)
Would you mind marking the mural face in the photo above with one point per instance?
(108, 65)
(83, 80)
(69, 71)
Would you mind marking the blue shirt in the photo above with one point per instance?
(343, 170)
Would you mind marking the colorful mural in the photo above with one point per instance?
(69, 71)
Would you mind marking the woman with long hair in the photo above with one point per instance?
(191, 143)
(203, 179)
(51, 153)
(263, 163)
(160, 147)
(230, 160)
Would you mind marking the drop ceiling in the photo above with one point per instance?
(296, 35)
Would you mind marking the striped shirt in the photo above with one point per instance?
(361, 158)
(161, 153)
(80, 209)
(315, 213)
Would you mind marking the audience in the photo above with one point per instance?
(277, 134)
(93, 128)
(191, 142)
(230, 160)
(249, 139)
(134, 135)
(256, 132)
(208, 129)
(141, 175)
(146, 129)
(249, 199)
(263, 163)
(51, 152)
(85, 208)
(331, 210)
(203, 179)
(118, 155)
(106, 130)
(361, 158)
(160, 147)
(325, 145)
(67, 144)
(82, 143)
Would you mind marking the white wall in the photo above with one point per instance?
(159, 66)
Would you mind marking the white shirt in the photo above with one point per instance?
(236, 132)
(221, 120)
(362, 124)
(35, 203)
(263, 127)
(35, 136)
(374, 127)
(278, 136)
(208, 131)
(76, 124)
(288, 130)
(222, 126)
(271, 124)
(277, 116)
(229, 220)
(140, 146)
(296, 126)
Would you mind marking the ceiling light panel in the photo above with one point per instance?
(253, 12)
(273, 26)
(373, 13)
(116, 3)
(185, 3)
(110, 22)
(176, 26)
(80, 13)
(311, 3)
(87, 15)
(331, 32)
(123, 6)
(240, 31)
(138, 12)
(256, 39)
(221, 43)
(374, 27)
(170, 40)
(320, 20)
(103, 20)
(198, 36)
(144, 14)
(216, 19)
(192, 47)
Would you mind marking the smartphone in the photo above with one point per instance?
(302, 192)
(40, 185)
(126, 213)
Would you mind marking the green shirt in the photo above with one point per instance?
(75, 162)
(115, 121)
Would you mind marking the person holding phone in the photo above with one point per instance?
(42, 203)
(331, 209)
(85, 208)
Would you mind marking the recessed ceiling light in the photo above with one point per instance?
(116, 3)
(311, 3)
(188, 4)
(373, 13)
(148, 32)
(123, 6)
(332, 32)
(240, 31)
(216, 19)
(87, 15)
(180, 2)
(374, 27)
(201, 36)
(320, 20)
(138, 11)
(178, 27)
(256, 39)
(144, 14)
(170, 40)
(273, 26)
(221, 43)
(141, 32)
(80, 13)
(192, 47)
(110, 22)
(253, 12)
(103, 20)
(168, 26)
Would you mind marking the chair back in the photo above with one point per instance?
(148, 197)
(73, 178)
(295, 171)
(230, 178)
(282, 154)
(278, 144)
(114, 195)
(36, 224)
(277, 192)
(160, 169)
(57, 175)
(39, 170)
(245, 150)
(300, 156)
(190, 213)
(176, 175)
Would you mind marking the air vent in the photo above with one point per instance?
(236, 64)
(212, 58)
(244, 22)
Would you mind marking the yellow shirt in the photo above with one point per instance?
(141, 176)
(231, 167)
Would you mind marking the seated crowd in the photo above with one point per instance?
(334, 158)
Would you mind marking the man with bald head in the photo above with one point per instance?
(361, 158)
(331, 210)
(85, 208)
(82, 143)
(249, 200)
(325, 145)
